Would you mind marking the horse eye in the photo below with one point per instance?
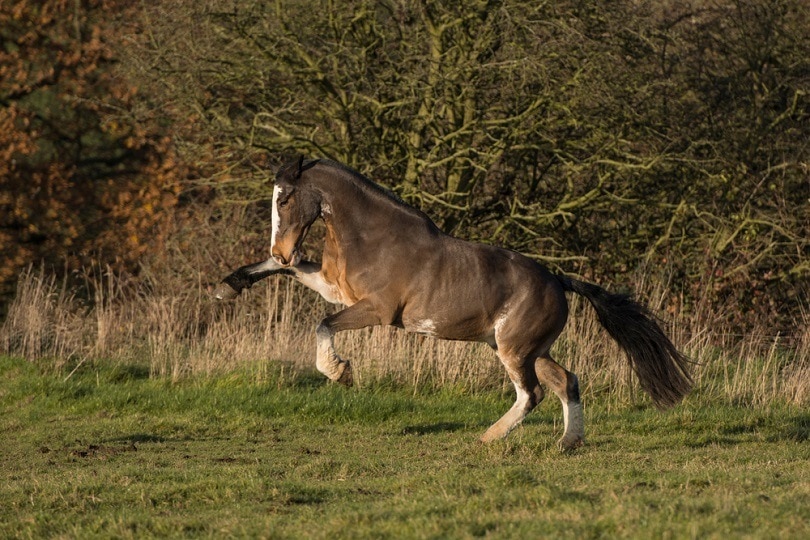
(282, 204)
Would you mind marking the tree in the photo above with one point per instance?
(81, 178)
(595, 137)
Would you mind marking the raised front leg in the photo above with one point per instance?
(360, 315)
(245, 276)
(306, 272)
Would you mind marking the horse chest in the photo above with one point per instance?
(334, 276)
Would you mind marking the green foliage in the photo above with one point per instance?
(599, 138)
(111, 452)
(596, 138)
(80, 174)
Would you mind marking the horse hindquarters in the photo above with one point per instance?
(532, 320)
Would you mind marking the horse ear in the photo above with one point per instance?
(300, 167)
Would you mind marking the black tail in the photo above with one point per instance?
(661, 368)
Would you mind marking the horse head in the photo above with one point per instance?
(296, 205)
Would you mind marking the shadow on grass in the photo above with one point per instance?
(771, 429)
(798, 428)
(129, 372)
(429, 429)
(450, 427)
(307, 380)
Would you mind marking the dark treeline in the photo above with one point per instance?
(603, 138)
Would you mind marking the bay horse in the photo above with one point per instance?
(389, 264)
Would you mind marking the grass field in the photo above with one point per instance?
(112, 452)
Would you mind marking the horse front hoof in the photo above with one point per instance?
(225, 292)
(345, 378)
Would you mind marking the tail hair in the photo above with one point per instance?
(662, 370)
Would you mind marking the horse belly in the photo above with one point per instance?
(468, 329)
(454, 303)
(425, 326)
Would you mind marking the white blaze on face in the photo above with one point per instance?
(276, 221)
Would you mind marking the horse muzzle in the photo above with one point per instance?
(286, 261)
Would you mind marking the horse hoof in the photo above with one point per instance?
(345, 377)
(486, 438)
(225, 292)
(571, 442)
(494, 433)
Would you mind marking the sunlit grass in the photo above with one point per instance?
(113, 452)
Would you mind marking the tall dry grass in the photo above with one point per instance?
(177, 330)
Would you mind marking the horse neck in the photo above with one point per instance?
(352, 211)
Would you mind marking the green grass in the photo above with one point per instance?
(112, 453)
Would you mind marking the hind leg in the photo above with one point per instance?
(565, 384)
(529, 394)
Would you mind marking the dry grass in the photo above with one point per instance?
(178, 331)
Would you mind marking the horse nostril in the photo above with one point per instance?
(281, 259)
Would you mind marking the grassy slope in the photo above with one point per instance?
(110, 452)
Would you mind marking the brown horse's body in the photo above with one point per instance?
(389, 264)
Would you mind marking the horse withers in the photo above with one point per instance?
(389, 264)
